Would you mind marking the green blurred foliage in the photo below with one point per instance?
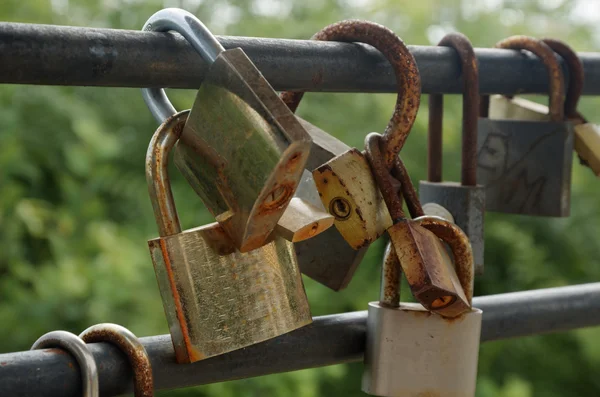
(75, 213)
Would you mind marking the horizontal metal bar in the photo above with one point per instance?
(329, 340)
(61, 55)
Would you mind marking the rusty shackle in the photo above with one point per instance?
(130, 345)
(470, 76)
(546, 55)
(405, 70)
(576, 75)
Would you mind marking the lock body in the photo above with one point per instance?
(411, 352)
(466, 204)
(242, 150)
(326, 258)
(218, 299)
(350, 193)
(525, 165)
(587, 145)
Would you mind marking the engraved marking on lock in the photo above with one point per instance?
(340, 208)
(525, 191)
(277, 197)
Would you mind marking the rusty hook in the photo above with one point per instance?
(129, 344)
(382, 176)
(405, 69)
(470, 76)
(556, 81)
(576, 75)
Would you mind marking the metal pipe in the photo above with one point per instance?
(329, 340)
(63, 55)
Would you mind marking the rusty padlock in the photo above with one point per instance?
(332, 257)
(465, 201)
(216, 298)
(523, 162)
(241, 150)
(410, 351)
(345, 182)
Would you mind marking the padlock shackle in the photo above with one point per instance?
(409, 193)
(77, 348)
(470, 76)
(196, 33)
(391, 272)
(556, 86)
(130, 345)
(157, 173)
(405, 69)
(383, 177)
(576, 75)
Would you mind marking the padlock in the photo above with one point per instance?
(524, 163)
(345, 182)
(331, 258)
(586, 135)
(424, 259)
(410, 351)
(465, 201)
(216, 298)
(242, 150)
(305, 217)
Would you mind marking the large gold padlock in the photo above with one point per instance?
(242, 150)
(216, 298)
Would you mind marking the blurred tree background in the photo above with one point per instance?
(75, 214)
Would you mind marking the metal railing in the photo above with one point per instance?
(58, 55)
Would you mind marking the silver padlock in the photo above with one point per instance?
(413, 352)
(524, 158)
(465, 201)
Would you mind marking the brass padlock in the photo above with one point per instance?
(346, 185)
(242, 150)
(525, 162)
(305, 217)
(332, 257)
(465, 201)
(409, 350)
(216, 298)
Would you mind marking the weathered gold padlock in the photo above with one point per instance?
(242, 150)
(216, 298)
(346, 185)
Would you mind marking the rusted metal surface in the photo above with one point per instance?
(470, 77)
(75, 347)
(128, 343)
(409, 193)
(576, 74)
(302, 220)
(405, 69)
(434, 138)
(424, 261)
(556, 82)
(391, 272)
(461, 250)
(382, 176)
(159, 187)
